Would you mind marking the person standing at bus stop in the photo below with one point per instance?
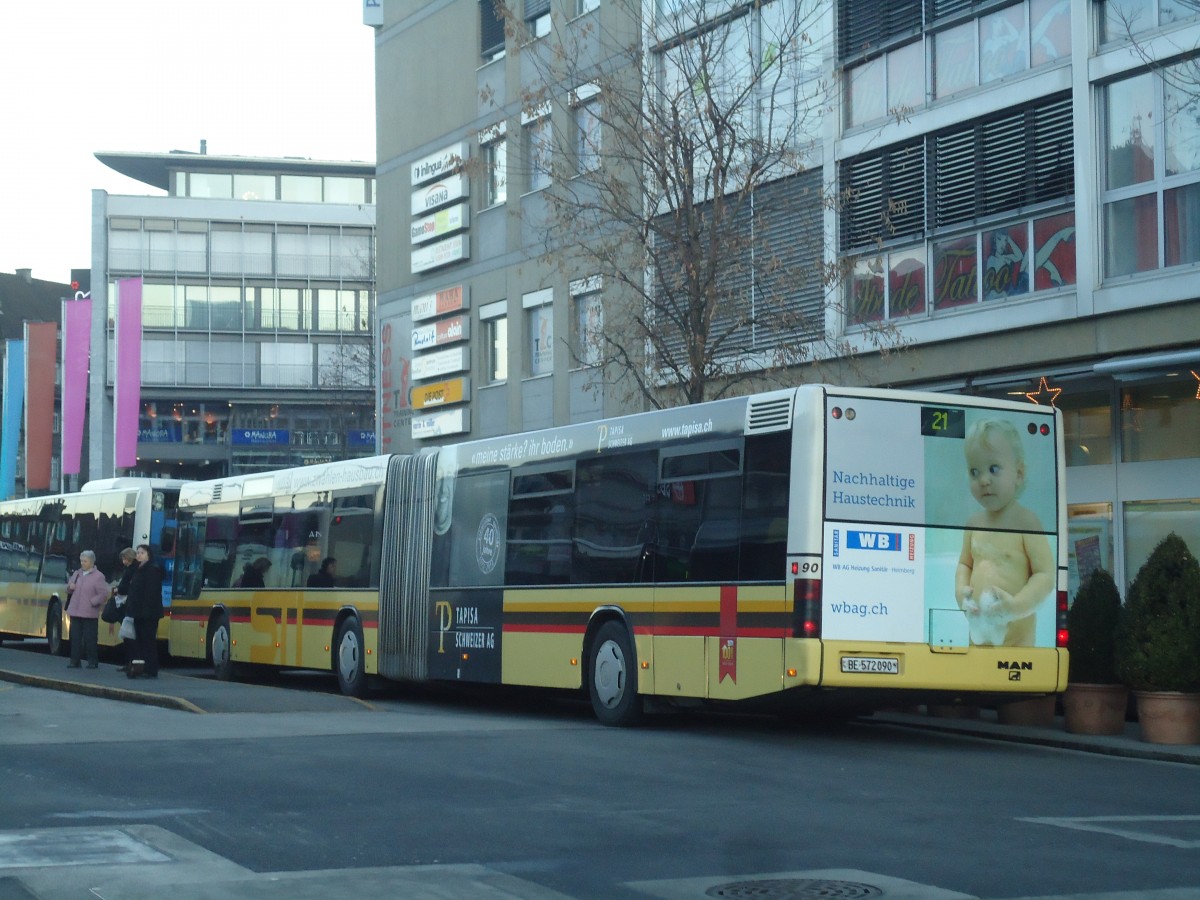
(87, 589)
(144, 604)
(121, 591)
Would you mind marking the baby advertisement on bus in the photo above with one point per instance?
(947, 528)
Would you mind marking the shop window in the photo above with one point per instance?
(1087, 427)
(1160, 420)
(1147, 522)
(1089, 542)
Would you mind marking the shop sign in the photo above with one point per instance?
(429, 306)
(441, 193)
(440, 163)
(261, 436)
(441, 393)
(450, 250)
(440, 224)
(443, 362)
(440, 424)
(438, 334)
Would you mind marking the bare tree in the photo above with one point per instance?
(686, 175)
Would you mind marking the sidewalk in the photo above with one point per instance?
(191, 693)
(987, 727)
(31, 665)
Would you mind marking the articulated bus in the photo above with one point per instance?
(40, 542)
(809, 544)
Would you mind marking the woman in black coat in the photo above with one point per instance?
(129, 562)
(144, 604)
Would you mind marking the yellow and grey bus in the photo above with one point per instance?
(40, 542)
(809, 544)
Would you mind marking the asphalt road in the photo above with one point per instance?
(477, 794)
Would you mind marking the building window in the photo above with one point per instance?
(586, 6)
(1160, 420)
(587, 322)
(1152, 171)
(537, 17)
(886, 69)
(495, 324)
(495, 160)
(587, 129)
(210, 184)
(253, 187)
(286, 365)
(539, 317)
(300, 188)
(538, 148)
(1122, 18)
(1028, 158)
(491, 30)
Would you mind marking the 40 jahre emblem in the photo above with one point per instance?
(487, 544)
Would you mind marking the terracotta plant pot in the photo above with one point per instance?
(1036, 711)
(1169, 717)
(1095, 708)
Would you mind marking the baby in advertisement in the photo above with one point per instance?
(1006, 567)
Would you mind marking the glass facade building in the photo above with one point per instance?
(258, 310)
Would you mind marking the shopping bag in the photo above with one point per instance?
(112, 611)
(127, 630)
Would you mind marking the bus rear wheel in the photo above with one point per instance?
(220, 647)
(54, 631)
(348, 658)
(612, 677)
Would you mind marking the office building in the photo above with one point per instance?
(1016, 183)
(257, 312)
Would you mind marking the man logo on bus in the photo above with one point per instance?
(487, 544)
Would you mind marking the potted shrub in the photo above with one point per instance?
(1158, 644)
(1095, 700)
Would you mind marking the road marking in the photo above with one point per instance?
(74, 847)
(1114, 825)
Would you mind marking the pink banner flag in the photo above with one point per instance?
(127, 388)
(77, 342)
(41, 359)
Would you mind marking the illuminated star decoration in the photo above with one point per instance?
(1197, 377)
(1044, 392)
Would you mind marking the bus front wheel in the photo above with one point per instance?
(612, 677)
(220, 647)
(348, 658)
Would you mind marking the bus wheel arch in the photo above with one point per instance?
(612, 671)
(349, 658)
(219, 645)
(55, 642)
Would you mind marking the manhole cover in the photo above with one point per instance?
(788, 888)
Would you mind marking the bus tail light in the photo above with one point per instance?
(806, 601)
(1060, 602)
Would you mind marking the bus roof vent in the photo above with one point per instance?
(772, 412)
(216, 493)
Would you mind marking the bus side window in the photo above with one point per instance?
(351, 537)
(614, 517)
(765, 500)
(189, 557)
(220, 537)
(541, 514)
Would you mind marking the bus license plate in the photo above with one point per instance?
(874, 665)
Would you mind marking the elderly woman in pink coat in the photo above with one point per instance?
(87, 589)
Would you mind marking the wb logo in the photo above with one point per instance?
(872, 540)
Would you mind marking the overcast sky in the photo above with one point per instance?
(251, 77)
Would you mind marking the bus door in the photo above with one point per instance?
(698, 523)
